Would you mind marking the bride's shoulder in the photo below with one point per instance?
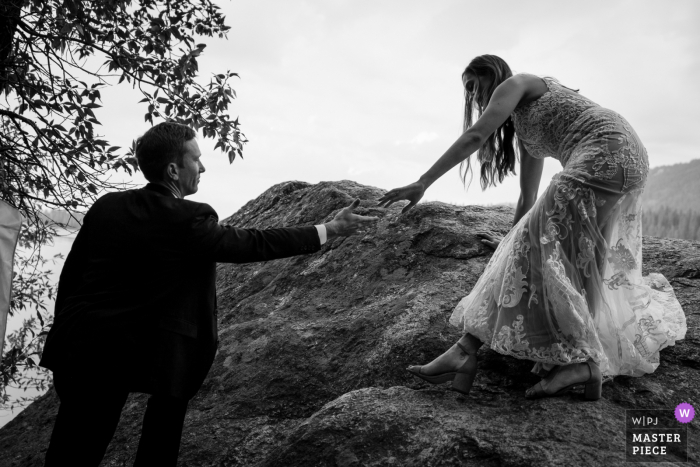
(527, 78)
(520, 79)
(529, 83)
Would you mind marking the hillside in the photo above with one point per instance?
(310, 368)
(674, 186)
(672, 201)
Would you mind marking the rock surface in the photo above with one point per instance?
(310, 368)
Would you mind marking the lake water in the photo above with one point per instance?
(62, 245)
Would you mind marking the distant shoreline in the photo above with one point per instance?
(63, 218)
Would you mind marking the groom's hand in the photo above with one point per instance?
(346, 223)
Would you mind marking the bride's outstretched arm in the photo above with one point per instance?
(504, 100)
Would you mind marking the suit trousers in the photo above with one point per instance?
(88, 415)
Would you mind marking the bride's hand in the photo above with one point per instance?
(413, 193)
(490, 238)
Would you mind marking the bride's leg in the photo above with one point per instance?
(454, 358)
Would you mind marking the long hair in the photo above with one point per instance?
(497, 155)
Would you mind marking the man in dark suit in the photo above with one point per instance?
(136, 303)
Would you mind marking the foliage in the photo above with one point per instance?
(670, 222)
(25, 350)
(55, 58)
(673, 186)
(667, 212)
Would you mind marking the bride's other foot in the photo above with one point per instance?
(563, 379)
(458, 365)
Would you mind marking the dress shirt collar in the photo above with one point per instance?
(159, 189)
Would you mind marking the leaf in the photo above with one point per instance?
(67, 162)
(65, 29)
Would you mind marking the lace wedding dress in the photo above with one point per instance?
(566, 284)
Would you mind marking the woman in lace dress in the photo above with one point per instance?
(564, 288)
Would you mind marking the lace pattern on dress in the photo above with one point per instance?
(542, 125)
(565, 284)
(561, 123)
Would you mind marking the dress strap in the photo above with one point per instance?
(549, 81)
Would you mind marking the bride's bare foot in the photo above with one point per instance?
(452, 360)
(565, 377)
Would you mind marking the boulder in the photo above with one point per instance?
(313, 350)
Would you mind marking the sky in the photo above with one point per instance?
(371, 91)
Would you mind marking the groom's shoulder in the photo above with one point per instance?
(150, 202)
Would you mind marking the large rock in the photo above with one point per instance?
(310, 369)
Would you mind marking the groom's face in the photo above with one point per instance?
(192, 167)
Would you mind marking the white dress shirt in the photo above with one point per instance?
(322, 234)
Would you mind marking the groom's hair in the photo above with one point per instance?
(161, 145)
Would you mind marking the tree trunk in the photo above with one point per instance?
(9, 15)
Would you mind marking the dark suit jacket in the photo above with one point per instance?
(137, 297)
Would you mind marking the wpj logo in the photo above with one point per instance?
(658, 435)
(685, 412)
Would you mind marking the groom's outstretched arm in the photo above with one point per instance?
(228, 244)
